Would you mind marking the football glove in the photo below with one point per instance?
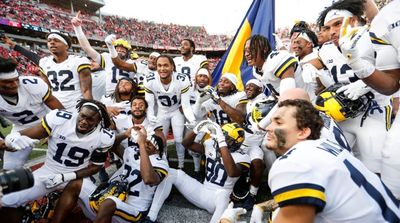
(109, 42)
(213, 94)
(348, 39)
(17, 141)
(54, 180)
(354, 90)
(232, 214)
(257, 214)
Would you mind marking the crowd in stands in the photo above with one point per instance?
(25, 66)
(142, 33)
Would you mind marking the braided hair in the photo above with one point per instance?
(259, 45)
(106, 121)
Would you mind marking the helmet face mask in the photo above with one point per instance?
(234, 136)
(262, 108)
(338, 106)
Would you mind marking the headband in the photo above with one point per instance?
(335, 13)
(8, 75)
(154, 54)
(57, 36)
(305, 36)
(231, 77)
(92, 105)
(256, 82)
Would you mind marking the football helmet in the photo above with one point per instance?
(338, 106)
(115, 188)
(123, 43)
(262, 108)
(234, 136)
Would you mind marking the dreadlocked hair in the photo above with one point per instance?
(354, 6)
(259, 45)
(115, 95)
(106, 121)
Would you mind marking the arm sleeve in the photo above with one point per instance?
(28, 54)
(84, 43)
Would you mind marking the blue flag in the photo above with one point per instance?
(259, 19)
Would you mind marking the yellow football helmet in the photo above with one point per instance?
(134, 55)
(123, 43)
(338, 106)
(262, 108)
(234, 136)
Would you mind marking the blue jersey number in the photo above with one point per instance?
(136, 179)
(216, 173)
(25, 117)
(76, 155)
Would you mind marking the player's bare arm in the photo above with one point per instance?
(123, 65)
(85, 81)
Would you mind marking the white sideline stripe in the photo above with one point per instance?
(39, 149)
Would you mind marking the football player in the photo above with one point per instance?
(277, 70)
(224, 165)
(69, 75)
(375, 121)
(189, 62)
(384, 77)
(119, 49)
(142, 171)
(123, 123)
(170, 91)
(252, 142)
(118, 102)
(220, 100)
(77, 147)
(24, 100)
(317, 180)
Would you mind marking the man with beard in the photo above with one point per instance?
(118, 102)
(68, 75)
(77, 148)
(24, 100)
(137, 116)
(118, 48)
(170, 91)
(189, 62)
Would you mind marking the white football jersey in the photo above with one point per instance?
(64, 78)
(98, 84)
(333, 132)
(167, 100)
(216, 175)
(123, 122)
(384, 33)
(113, 74)
(66, 150)
(341, 72)
(30, 108)
(191, 66)
(274, 67)
(109, 100)
(140, 195)
(323, 174)
(142, 72)
(215, 111)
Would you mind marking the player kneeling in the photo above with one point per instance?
(129, 193)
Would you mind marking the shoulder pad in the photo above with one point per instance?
(34, 85)
(107, 138)
(278, 62)
(57, 117)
